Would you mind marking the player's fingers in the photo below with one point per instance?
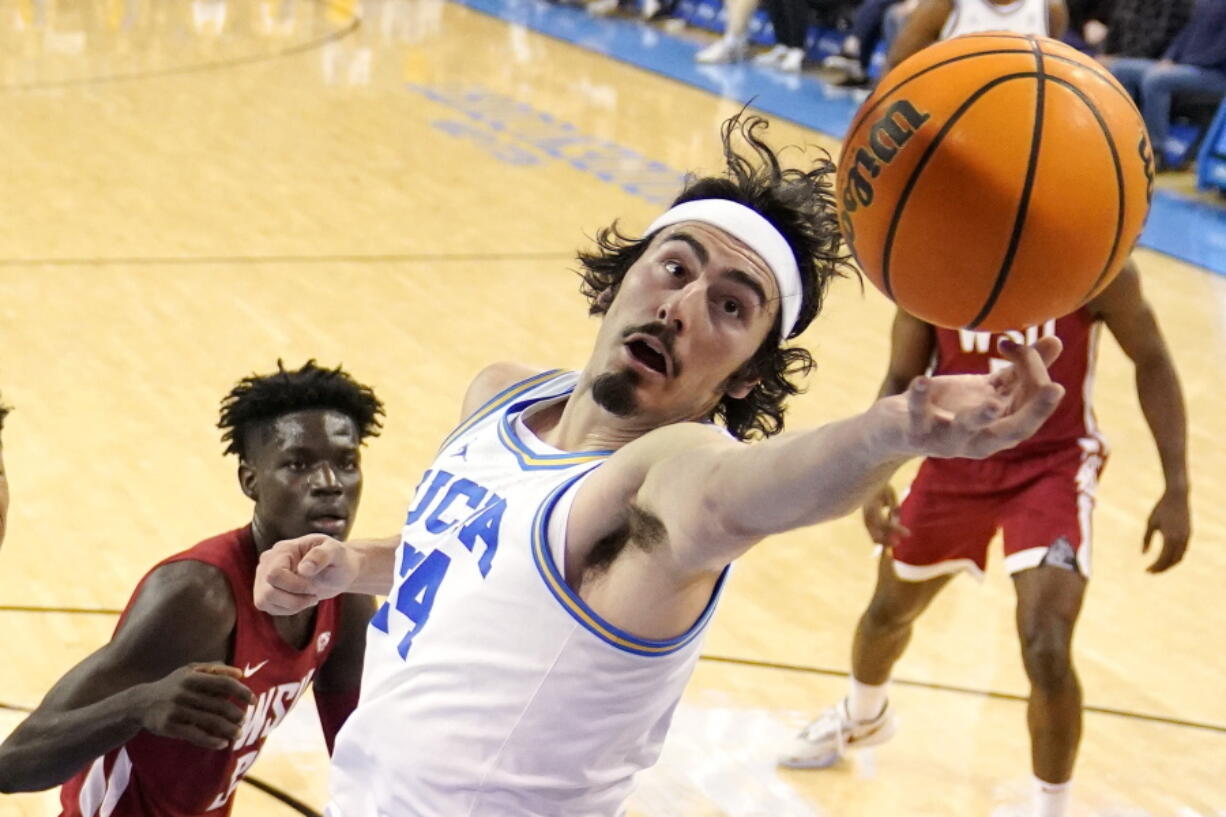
(220, 687)
(1150, 529)
(977, 417)
(290, 581)
(208, 723)
(321, 556)
(218, 669)
(1029, 416)
(919, 408)
(1049, 348)
(1031, 372)
(280, 603)
(898, 531)
(222, 708)
(1172, 554)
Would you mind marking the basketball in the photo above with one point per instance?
(994, 181)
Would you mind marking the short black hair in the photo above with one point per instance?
(257, 400)
(4, 412)
(800, 204)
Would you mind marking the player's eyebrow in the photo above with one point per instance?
(694, 244)
(740, 276)
(748, 281)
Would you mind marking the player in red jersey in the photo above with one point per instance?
(1040, 495)
(166, 718)
(4, 480)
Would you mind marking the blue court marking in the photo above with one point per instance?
(1186, 228)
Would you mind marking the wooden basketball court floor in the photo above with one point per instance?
(193, 190)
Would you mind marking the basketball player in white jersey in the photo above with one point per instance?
(548, 592)
(937, 20)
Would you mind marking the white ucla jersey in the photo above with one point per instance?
(490, 689)
(976, 16)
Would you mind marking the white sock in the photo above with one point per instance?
(866, 701)
(1051, 799)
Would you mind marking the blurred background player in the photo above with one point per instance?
(937, 20)
(168, 716)
(1041, 495)
(733, 46)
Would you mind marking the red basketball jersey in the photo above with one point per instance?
(151, 776)
(962, 351)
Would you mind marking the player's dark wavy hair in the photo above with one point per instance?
(800, 204)
(259, 399)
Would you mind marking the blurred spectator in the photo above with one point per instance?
(1193, 65)
(856, 53)
(1143, 28)
(1087, 24)
(935, 20)
(734, 45)
(790, 19)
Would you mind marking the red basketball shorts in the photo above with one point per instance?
(1042, 504)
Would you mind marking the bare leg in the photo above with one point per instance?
(739, 14)
(885, 628)
(1048, 602)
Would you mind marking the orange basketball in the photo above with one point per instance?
(994, 181)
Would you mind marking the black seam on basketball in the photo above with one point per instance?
(1104, 76)
(864, 113)
(931, 149)
(1119, 179)
(1023, 204)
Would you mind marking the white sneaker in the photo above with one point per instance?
(770, 59)
(823, 742)
(839, 62)
(723, 50)
(602, 8)
(792, 60)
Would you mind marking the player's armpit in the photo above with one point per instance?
(603, 500)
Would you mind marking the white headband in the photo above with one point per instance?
(759, 235)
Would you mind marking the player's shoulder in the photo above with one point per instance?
(667, 442)
(186, 590)
(492, 381)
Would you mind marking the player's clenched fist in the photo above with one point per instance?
(299, 573)
(198, 703)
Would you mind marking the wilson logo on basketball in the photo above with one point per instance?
(887, 136)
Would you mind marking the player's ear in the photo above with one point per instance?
(246, 481)
(743, 381)
(604, 300)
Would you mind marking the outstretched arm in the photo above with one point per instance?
(716, 498)
(1131, 320)
(150, 676)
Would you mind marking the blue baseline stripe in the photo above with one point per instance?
(1186, 228)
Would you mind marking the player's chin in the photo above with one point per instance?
(335, 526)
